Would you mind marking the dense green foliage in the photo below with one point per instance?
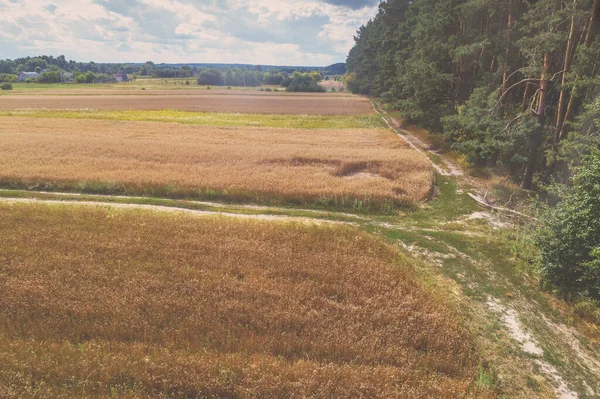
(7, 77)
(206, 74)
(6, 86)
(91, 77)
(569, 239)
(305, 82)
(503, 81)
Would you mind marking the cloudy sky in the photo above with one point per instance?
(281, 32)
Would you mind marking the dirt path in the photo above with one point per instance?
(448, 168)
(538, 345)
(161, 208)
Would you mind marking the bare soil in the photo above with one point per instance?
(207, 101)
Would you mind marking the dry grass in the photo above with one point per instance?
(369, 167)
(207, 101)
(131, 304)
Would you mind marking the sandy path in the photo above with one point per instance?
(170, 209)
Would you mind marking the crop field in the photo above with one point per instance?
(343, 167)
(210, 118)
(142, 304)
(205, 101)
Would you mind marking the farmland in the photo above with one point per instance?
(127, 303)
(305, 253)
(341, 167)
(196, 100)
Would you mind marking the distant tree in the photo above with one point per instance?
(211, 76)
(38, 70)
(7, 77)
(87, 77)
(33, 64)
(50, 77)
(7, 66)
(305, 82)
(147, 69)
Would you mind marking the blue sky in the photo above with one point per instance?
(283, 32)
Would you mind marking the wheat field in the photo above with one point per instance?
(120, 303)
(341, 167)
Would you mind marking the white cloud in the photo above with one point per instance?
(283, 32)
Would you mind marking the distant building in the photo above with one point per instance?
(23, 76)
(121, 77)
(67, 77)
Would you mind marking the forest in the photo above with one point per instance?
(512, 87)
(511, 84)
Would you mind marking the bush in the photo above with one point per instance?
(305, 82)
(6, 86)
(50, 77)
(187, 82)
(268, 89)
(569, 236)
(7, 77)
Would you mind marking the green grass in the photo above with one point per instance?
(211, 118)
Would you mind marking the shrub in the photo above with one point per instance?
(50, 77)
(268, 89)
(187, 82)
(305, 82)
(6, 86)
(569, 236)
(7, 77)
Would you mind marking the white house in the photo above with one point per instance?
(23, 76)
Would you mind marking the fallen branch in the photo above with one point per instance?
(481, 202)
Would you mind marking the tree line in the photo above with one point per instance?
(511, 85)
(507, 83)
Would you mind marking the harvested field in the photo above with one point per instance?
(136, 304)
(250, 102)
(369, 168)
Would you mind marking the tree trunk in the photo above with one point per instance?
(590, 33)
(505, 75)
(536, 136)
(524, 103)
(560, 117)
(594, 17)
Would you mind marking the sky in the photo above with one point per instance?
(267, 32)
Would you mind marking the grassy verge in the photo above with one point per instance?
(479, 261)
(211, 119)
(185, 204)
(341, 203)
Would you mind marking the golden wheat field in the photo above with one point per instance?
(340, 167)
(115, 303)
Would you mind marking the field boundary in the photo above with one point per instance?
(172, 209)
